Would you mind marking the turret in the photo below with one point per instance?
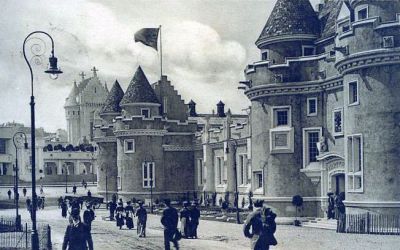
(221, 109)
(111, 107)
(192, 108)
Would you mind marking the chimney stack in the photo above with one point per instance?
(192, 108)
(221, 109)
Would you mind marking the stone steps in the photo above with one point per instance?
(321, 224)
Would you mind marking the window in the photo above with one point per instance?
(258, 180)
(129, 146)
(362, 13)
(308, 50)
(242, 170)
(388, 41)
(200, 171)
(119, 183)
(220, 170)
(355, 163)
(264, 55)
(145, 113)
(310, 150)
(148, 175)
(353, 93)
(337, 121)
(281, 116)
(281, 140)
(165, 104)
(2, 146)
(312, 106)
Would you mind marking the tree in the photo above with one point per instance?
(69, 147)
(297, 201)
(49, 147)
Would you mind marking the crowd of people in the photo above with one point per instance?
(336, 206)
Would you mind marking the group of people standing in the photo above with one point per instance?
(125, 215)
(189, 220)
(335, 205)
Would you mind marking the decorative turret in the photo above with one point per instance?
(106, 88)
(221, 109)
(139, 90)
(290, 20)
(111, 105)
(71, 99)
(192, 108)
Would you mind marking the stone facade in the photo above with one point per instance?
(325, 106)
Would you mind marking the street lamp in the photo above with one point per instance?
(17, 140)
(234, 148)
(66, 178)
(54, 71)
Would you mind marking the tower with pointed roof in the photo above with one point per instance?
(80, 106)
(322, 95)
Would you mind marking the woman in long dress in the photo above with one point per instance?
(120, 215)
(129, 212)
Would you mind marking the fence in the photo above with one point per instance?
(12, 237)
(369, 224)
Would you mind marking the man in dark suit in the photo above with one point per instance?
(77, 236)
(169, 220)
(255, 223)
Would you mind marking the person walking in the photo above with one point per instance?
(141, 215)
(169, 220)
(120, 215)
(89, 193)
(129, 212)
(269, 227)
(331, 206)
(24, 191)
(194, 219)
(185, 220)
(88, 216)
(59, 201)
(77, 235)
(74, 189)
(41, 189)
(64, 208)
(9, 194)
(112, 206)
(255, 223)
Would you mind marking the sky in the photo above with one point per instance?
(206, 46)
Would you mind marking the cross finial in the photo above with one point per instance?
(82, 74)
(94, 70)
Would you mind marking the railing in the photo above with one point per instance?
(369, 224)
(12, 237)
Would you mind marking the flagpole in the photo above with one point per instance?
(161, 54)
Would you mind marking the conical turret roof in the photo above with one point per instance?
(115, 96)
(71, 99)
(290, 18)
(139, 90)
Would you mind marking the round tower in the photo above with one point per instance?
(371, 68)
(107, 143)
(72, 114)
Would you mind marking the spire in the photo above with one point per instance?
(106, 88)
(71, 99)
(139, 90)
(111, 105)
(94, 70)
(82, 75)
(290, 19)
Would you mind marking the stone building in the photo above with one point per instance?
(80, 106)
(145, 141)
(325, 105)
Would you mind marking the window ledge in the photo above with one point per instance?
(354, 104)
(259, 191)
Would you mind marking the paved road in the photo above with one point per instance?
(212, 235)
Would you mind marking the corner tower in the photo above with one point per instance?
(72, 115)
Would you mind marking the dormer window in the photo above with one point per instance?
(308, 50)
(145, 113)
(362, 13)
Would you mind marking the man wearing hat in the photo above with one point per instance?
(141, 213)
(169, 220)
(194, 219)
(255, 223)
(77, 236)
(185, 223)
(88, 216)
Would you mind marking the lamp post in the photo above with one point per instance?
(17, 138)
(54, 71)
(66, 178)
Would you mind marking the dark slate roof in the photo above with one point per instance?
(139, 90)
(290, 17)
(192, 102)
(71, 99)
(327, 16)
(115, 96)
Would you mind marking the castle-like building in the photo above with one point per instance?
(325, 105)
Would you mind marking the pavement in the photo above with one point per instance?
(212, 235)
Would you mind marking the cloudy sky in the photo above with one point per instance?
(206, 46)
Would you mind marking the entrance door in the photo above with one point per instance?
(339, 183)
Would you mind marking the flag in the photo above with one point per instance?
(147, 36)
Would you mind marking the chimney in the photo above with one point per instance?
(192, 108)
(220, 109)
